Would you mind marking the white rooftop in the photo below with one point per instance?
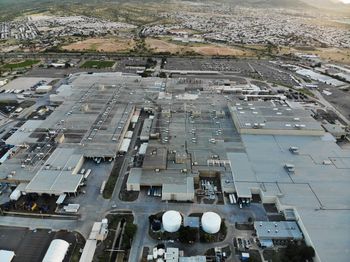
(318, 190)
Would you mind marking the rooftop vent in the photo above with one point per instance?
(289, 167)
(294, 150)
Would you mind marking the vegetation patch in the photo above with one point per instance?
(79, 245)
(112, 179)
(23, 64)
(97, 64)
(128, 229)
(292, 252)
(211, 238)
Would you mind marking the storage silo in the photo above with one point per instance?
(211, 222)
(171, 221)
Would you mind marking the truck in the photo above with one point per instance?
(102, 187)
(87, 174)
(231, 199)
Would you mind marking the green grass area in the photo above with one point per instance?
(22, 64)
(77, 247)
(97, 64)
(101, 253)
(306, 92)
(112, 179)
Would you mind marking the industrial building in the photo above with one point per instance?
(172, 254)
(190, 149)
(6, 255)
(89, 122)
(273, 118)
(56, 251)
(59, 174)
(277, 232)
(274, 149)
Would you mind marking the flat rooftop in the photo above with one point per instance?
(278, 230)
(318, 189)
(22, 135)
(273, 117)
(59, 173)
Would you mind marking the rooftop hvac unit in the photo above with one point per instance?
(289, 167)
(294, 150)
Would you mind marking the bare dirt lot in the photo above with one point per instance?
(161, 46)
(221, 51)
(340, 55)
(102, 45)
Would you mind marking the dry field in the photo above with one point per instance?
(161, 46)
(101, 45)
(341, 55)
(333, 54)
(213, 50)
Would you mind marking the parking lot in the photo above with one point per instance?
(31, 245)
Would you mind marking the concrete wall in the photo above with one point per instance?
(178, 196)
(132, 186)
(78, 166)
(292, 132)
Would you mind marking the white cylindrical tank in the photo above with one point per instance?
(171, 221)
(56, 251)
(211, 222)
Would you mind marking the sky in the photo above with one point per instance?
(346, 1)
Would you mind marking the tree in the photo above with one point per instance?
(187, 234)
(307, 252)
(129, 232)
(162, 75)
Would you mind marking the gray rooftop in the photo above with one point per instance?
(273, 117)
(318, 190)
(59, 173)
(22, 135)
(283, 230)
(54, 182)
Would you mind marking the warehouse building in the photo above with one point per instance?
(279, 233)
(179, 192)
(59, 174)
(273, 118)
(316, 190)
